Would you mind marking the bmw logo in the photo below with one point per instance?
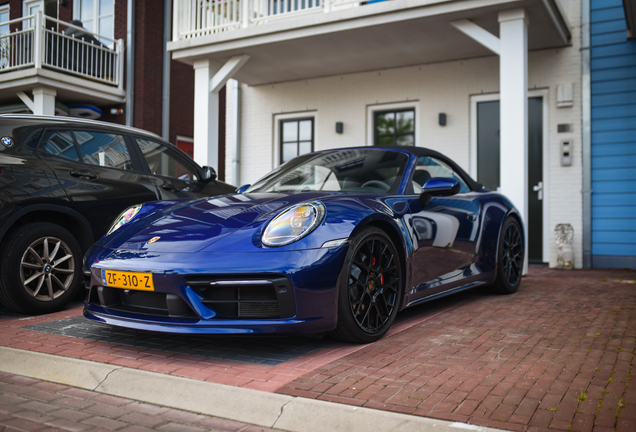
(6, 141)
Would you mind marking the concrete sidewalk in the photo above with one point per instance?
(198, 404)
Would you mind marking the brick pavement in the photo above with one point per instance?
(558, 355)
(31, 405)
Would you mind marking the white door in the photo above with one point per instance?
(31, 7)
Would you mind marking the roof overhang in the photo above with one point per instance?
(377, 36)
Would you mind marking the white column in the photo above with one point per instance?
(209, 79)
(206, 115)
(513, 81)
(44, 101)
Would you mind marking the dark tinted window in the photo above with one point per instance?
(60, 143)
(104, 149)
(164, 162)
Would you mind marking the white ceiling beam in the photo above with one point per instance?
(477, 33)
(226, 72)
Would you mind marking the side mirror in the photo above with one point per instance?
(208, 174)
(439, 186)
(243, 188)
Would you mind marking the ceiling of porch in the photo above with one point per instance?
(377, 36)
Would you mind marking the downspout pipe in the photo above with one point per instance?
(130, 62)
(586, 93)
(167, 31)
(236, 134)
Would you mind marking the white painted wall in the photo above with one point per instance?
(442, 87)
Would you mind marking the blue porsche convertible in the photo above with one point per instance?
(335, 241)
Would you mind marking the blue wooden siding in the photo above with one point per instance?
(613, 75)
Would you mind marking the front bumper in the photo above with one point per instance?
(271, 291)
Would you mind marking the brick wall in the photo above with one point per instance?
(442, 87)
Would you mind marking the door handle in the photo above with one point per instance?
(170, 187)
(83, 175)
(538, 188)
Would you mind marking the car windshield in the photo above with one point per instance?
(370, 171)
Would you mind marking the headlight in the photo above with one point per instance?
(124, 218)
(293, 223)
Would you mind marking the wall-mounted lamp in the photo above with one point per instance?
(442, 119)
(116, 111)
(339, 127)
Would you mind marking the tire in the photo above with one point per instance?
(370, 288)
(510, 256)
(40, 269)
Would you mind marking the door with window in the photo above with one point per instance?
(445, 228)
(98, 172)
(488, 168)
(97, 16)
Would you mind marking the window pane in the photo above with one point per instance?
(289, 151)
(305, 130)
(428, 167)
(59, 143)
(405, 140)
(385, 123)
(4, 17)
(104, 149)
(105, 7)
(385, 141)
(290, 131)
(106, 28)
(405, 121)
(304, 147)
(86, 10)
(162, 162)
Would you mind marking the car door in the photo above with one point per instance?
(98, 172)
(175, 175)
(445, 230)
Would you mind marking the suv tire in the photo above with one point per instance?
(40, 268)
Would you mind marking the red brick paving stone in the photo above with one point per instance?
(106, 410)
(68, 425)
(105, 423)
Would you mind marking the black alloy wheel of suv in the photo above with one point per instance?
(62, 183)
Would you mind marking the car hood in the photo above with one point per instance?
(198, 224)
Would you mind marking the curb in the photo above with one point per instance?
(260, 408)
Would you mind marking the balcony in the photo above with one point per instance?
(42, 51)
(299, 39)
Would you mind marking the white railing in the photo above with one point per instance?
(195, 18)
(73, 50)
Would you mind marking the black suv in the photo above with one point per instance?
(62, 183)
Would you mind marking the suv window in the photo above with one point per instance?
(162, 161)
(428, 167)
(60, 143)
(104, 149)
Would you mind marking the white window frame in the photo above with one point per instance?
(5, 9)
(291, 116)
(543, 93)
(77, 15)
(372, 109)
(26, 5)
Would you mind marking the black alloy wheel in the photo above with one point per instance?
(370, 289)
(511, 256)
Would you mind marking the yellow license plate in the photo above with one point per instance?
(128, 280)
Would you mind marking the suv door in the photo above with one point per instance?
(98, 171)
(175, 175)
